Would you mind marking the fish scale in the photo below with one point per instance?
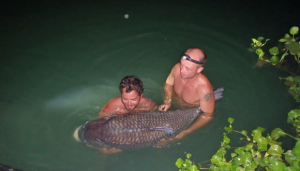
(136, 130)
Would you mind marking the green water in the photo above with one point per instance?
(62, 61)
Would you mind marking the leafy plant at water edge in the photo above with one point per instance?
(294, 119)
(260, 152)
(291, 47)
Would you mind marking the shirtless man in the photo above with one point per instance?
(130, 101)
(191, 87)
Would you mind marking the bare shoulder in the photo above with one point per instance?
(113, 104)
(147, 104)
(176, 68)
(146, 99)
(204, 87)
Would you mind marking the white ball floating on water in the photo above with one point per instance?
(126, 16)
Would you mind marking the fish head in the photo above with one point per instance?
(75, 134)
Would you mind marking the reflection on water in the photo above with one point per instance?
(59, 68)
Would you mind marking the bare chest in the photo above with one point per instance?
(186, 91)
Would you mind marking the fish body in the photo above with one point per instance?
(135, 130)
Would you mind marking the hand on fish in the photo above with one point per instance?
(110, 151)
(163, 142)
(181, 134)
(164, 107)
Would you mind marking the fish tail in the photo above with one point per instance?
(219, 93)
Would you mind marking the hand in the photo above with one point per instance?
(110, 151)
(181, 134)
(163, 142)
(164, 107)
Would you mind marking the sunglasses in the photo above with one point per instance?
(187, 57)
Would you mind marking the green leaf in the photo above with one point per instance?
(260, 53)
(258, 131)
(188, 162)
(286, 38)
(277, 133)
(274, 60)
(289, 157)
(193, 168)
(262, 143)
(260, 38)
(294, 113)
(215, 159)
(297, 79)
(249, 146)
(296, 149)
(230, 120)
(277, 165)
(199, 165)
(237, 161)
(188, 155)
(213, 167)
(274, 51)
(228, 129)
(293, 47)
(291, 169)
(179, 162)
(290, 83)
(283, 56)
(239, 150)
(233, 155)
(290, 78)
(247, 158)
(226, 139)
(244, 132)
(275, 150)
(294, 30)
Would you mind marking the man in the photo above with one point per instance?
(191, 87)
(130, 101)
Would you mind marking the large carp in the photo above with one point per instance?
(137, 130)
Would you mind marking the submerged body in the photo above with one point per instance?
(135, 130)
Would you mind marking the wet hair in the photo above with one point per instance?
(131, 83)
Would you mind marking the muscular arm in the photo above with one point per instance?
(207, 105)
(168, 88)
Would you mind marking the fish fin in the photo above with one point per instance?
(164, 129)
(219, 93)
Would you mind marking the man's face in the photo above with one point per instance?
(188, 69)
(130, 100)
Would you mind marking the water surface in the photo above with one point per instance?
(62, 61)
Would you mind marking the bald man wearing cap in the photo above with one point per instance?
(191, 88)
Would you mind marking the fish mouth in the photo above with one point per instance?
(75, 134)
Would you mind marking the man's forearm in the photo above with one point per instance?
(168, 93)
(201, 121)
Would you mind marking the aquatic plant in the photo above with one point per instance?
(262, 152)
(259, 153)
(291, 47)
